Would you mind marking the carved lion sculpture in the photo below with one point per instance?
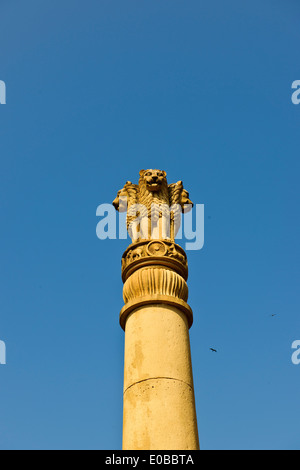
(153, 207)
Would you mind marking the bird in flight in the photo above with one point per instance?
(274, 315)
(213, 350)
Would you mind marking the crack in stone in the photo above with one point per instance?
(155, 378)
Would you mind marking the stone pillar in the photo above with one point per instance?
(159, 403)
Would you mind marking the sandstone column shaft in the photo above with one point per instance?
(159, 404)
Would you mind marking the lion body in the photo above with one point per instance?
(153, 207)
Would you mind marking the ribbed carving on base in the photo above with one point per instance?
(155, 281)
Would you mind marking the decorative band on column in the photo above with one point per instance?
(152, 300)
(155, 280)
(155, 285)
(155, 252)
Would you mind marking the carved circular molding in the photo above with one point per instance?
(154, 253)
(157, 248)
(155, 272)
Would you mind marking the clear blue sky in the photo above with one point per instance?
(97, 90)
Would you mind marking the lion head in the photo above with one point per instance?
(154, 180)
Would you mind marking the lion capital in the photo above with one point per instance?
(153, 207)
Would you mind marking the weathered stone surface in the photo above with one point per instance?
(159, 414)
